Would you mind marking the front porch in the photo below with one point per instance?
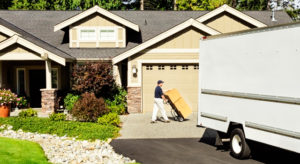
(31, 70)
(38, 81)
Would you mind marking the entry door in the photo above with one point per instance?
(37, 81)
(183, 77)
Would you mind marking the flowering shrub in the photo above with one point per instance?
(7, 97)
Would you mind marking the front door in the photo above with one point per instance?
(37, 81)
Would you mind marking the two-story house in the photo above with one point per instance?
(38, 48)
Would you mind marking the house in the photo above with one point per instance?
(38, 48)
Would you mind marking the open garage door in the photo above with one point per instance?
(183, 77)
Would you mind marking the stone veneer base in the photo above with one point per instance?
(134, 99)
(48, 100)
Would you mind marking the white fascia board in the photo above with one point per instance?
(233, 12)
(96, 9)
(168, 33)
(7, 31)
(8, 42)
(33, 47)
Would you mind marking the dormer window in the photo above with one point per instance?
(88, 34)
(107, 34)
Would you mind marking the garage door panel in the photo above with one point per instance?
(180, 76)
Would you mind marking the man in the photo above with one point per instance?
(159, 99)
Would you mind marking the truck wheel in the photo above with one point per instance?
(238, 145)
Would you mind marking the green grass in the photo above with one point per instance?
(14, 151)
(81, 130)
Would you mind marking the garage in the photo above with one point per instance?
(183, 77)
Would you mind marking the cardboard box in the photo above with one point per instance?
(178, 102)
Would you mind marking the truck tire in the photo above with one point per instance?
(238, 145)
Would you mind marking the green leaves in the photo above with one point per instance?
(63, 4)
(81, 130)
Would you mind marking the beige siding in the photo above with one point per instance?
(87, 45)
(188, 38)
(185, 81)
(16, 52)
(96, 21)
(120, 34)
(107, 44)
(226, 23)
(74, 34)
(2, 37)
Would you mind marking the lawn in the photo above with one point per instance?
(81, 130)
(14, 151)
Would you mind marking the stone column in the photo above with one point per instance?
(134, 99)
(48, 100)
(48, 94)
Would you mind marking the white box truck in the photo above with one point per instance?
(250, 87)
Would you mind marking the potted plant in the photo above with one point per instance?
(7, 98)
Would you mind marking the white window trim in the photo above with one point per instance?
(85, 40)
(97, 31)
(17, 74)
(109, 28)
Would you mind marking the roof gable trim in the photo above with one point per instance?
(7, 31)
(226, 8)
(44, 53)
(96, 9)
(160, 37)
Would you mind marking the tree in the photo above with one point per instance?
(199, 4)
(64, 4)
(158, 4)
(5, 4)
(93, 78)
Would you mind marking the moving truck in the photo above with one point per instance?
(250, 87)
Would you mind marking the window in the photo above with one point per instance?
(196, 66)
(185, 67)
(21, 81)
(161, 67)
(54, 74)
(173, 67)
(149, 67)
(107, 35)
(88, 34)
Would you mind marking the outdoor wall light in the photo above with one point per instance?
(134, 69)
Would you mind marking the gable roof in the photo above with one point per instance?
(95, 9)
(24, 38)
(226, 8)
(151, 24)
(189, 23)
(21, 41)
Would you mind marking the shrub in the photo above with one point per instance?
(7, 97)
(28, 113)
(119, 102)
(109, 119)
(81, 130)
(22, 102)
(57, 117)
(88, 108)
(70, 100)
(93, 77)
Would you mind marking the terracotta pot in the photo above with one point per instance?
(4, 110)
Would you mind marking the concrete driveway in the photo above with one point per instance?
(138, 126)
